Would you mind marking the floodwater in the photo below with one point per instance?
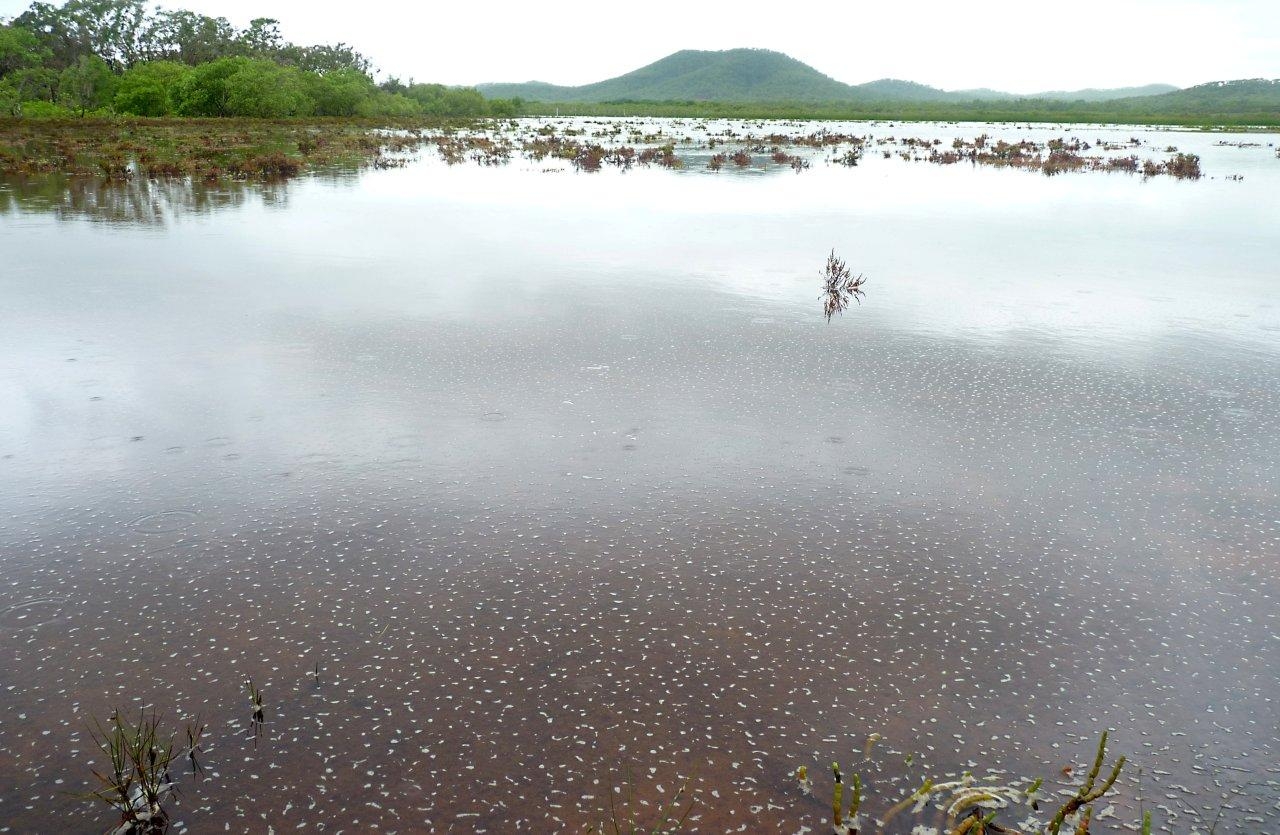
(505, 482)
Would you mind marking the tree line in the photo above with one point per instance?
(121, 57)
(1252, 103)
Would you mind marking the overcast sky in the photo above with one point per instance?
(1024, 47)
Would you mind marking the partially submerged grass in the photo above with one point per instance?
(195, 734)
(209, 149)
(136, 784)
(622, 815)
(258, 719)
(845, 822)
(255, 149)
(1088, 793)
(973, 806)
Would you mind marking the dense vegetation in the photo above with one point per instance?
(1256, 104)
(118, 57)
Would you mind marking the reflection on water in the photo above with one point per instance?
(840, 286)
(490, 478)
(139, 200)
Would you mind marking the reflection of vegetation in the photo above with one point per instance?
(840, 286)
(132, 201)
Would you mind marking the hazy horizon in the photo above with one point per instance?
(940, 44)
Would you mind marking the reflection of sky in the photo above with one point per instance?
(947, 249)
(1106, 267)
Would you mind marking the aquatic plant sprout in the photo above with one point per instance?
(623, 815)
(845, 822)
(258, 720)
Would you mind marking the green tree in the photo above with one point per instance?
(57, 33)
(19, 50)
(340, 93)
(86, 84)
(26, 85)
(148, 89)
(504, 108)
(117, 31)
(191, 38)
(463, 101)
(261, 38)
(264, 89)
(390, 104)
(324, 58)
(203, 91)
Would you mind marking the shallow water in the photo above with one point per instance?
(554, 473)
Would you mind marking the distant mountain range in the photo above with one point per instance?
(761, 75)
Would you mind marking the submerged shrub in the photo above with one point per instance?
(269, 167)
(1184, 167)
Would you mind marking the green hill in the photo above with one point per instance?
(747, 75)
(760, 75)
(1252, 95)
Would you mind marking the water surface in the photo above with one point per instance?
(553, 473)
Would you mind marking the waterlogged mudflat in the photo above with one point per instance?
(552, 472)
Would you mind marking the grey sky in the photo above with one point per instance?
(1020, 48)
